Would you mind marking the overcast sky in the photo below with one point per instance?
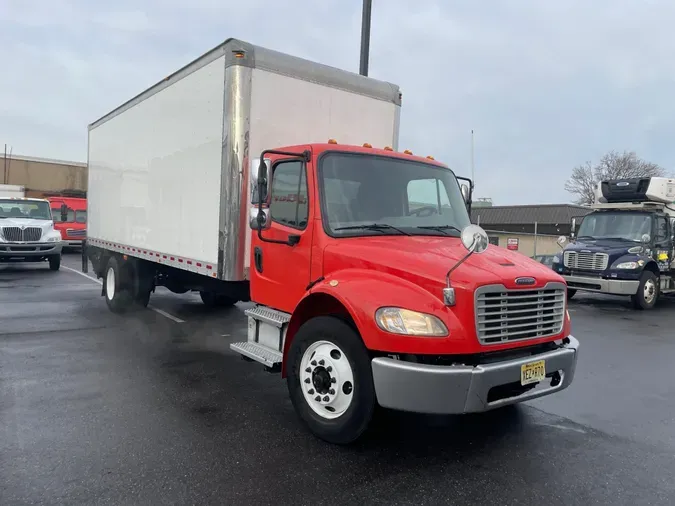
(545, 85)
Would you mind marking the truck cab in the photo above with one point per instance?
(70, 218)
(625, 246)
(372, 287)
(27, 233)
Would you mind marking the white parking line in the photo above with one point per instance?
(155, 309)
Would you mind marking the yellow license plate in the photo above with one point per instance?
(532, 372)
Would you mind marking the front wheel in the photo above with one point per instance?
(330, 380)
(55, 262)
(647, 292)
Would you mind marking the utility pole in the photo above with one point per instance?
(365, 36)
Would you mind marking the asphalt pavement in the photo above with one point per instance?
(154, 408)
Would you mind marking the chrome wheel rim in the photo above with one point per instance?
(326, 379)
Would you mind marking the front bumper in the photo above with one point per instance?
(434, 389)
(601, 285)
(10, 250)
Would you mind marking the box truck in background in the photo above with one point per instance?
(70, 218)
(371, 286)
(12, 190)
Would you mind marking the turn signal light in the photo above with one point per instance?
(408, 152)
(366, 145)
(332, 141)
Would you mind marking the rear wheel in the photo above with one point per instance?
(55, 262)
(330, 380)
(647, 292)
(116, 287)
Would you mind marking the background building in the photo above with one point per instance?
(528, 229)
(42, 176)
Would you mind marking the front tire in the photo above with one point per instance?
(330, 380)
(54, 262)
(648, 291)
(118, 296)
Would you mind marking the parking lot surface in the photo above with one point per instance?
(153, 408)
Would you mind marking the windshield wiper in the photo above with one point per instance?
(380, 227)
(440, 228)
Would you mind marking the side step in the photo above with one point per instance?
(258, 352)
(266, 336)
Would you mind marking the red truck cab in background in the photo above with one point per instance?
(70, 218)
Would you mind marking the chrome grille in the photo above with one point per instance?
(15, 234)
(584, 261)
(72, 232)
(504, 315)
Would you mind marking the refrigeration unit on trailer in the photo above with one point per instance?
(285, 187)
(626, 245)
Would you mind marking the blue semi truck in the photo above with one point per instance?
(625, 245)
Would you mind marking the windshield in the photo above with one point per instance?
(24, 209)
(621, 225)
(375, 195)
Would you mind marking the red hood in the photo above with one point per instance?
(426, 260)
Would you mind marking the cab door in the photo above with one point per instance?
(279, 272)
(663, 244)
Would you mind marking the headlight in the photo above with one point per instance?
(627, 265)
(403, 321)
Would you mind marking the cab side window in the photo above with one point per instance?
(661, 233)
(289, 204)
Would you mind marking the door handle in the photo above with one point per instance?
(258, 258)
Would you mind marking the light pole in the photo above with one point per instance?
(365, 36)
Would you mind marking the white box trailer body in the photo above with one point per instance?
(169, 170)
(12, 191)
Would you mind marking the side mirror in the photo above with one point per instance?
(466, 193)
(574, 227)
(475, 239)
(256, 171)
(64, 212)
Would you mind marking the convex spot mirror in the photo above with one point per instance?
(561, 241)
(646, 238)
(475, 239)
